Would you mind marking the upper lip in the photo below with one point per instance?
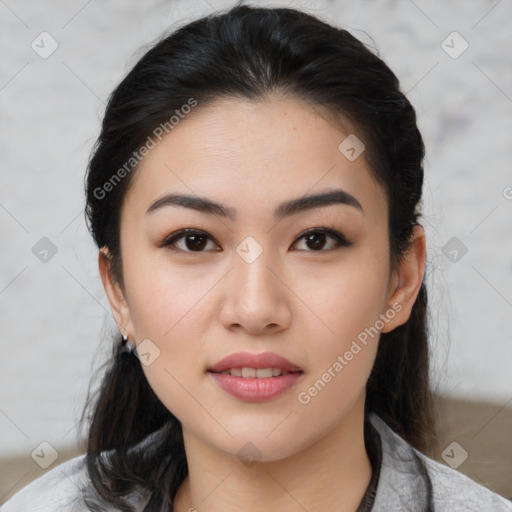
(248, 360)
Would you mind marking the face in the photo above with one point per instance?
(302, 283)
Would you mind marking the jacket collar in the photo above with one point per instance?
(404, 484)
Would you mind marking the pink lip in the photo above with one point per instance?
(248, 360)
(256, 390)
(252, 389)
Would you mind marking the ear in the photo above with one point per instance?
(406, 280)
(115, 294)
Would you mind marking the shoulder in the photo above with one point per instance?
(64, 489)
(55, 491)
(410, 479)
(454, 491)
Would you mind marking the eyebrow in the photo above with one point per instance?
(286, 209)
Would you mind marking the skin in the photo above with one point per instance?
(307, 305)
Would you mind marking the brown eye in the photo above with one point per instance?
(317, 239)
(195, 242)
(187, 240)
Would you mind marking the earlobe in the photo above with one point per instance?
(115, 293)
(407, 280)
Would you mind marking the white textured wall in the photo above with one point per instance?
(53, 312)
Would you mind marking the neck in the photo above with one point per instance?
(331, 474)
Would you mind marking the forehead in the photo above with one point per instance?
(254, 153)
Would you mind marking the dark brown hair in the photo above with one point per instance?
(249, 53)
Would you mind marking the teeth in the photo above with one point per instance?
(260, 373)
(263, 373)
(248, 372)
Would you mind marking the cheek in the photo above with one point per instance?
(170, 306)
(343, 300)
(349, 303)
(166, 299)
(331, 393)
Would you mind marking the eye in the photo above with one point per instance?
(191, 240)
(316, 239)
(194, 240)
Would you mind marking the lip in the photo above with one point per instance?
(253, 389)
(248, 360)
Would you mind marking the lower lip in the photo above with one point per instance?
(256, 390)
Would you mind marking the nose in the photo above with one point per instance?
(255, 297)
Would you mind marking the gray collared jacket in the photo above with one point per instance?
(408, 482)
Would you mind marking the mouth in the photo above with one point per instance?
(255, 377)
(245, 364)
(258, 373)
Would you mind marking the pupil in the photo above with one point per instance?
(318, 240)
(198, 242)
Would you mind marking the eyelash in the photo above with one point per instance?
(338, 237)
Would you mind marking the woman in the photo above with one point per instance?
(254, 194)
